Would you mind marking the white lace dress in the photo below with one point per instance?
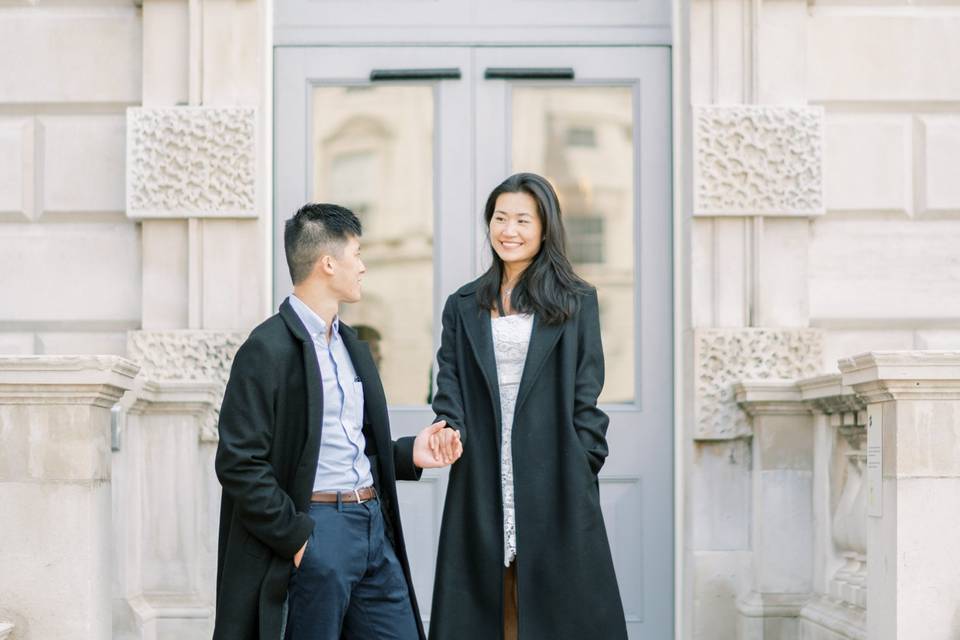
(511, 338)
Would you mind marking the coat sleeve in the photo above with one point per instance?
(404, 469)
(242, 462)
(447, 401)
(588, 420)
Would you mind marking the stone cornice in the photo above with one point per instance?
(824, 394)
(879, 376)
(96, 380)
(827, 394)
(197, 398)
(180, 396)
(770, 397)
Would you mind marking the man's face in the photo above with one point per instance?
(348, 270)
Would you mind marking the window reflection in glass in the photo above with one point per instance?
(372, 151)
(581, 139)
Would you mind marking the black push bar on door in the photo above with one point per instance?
(446, 73)
(528, 73)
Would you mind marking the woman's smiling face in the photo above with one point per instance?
(516, 232)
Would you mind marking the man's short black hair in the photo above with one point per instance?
(315, 230)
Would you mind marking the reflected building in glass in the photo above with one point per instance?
(581, 139)
(373, 153)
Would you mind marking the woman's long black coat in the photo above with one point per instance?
(566, 583)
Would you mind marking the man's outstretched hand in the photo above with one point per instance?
(436, 446)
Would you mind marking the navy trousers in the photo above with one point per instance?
(350, 584)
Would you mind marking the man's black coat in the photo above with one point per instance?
(565, 577)
(270, 429)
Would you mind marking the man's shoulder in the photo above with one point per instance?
(270, 338)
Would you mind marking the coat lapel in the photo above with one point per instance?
(312, 379)
(476, 324)
(542, 341)
(374, 400)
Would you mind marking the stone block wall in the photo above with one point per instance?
(883, 269)
(93, 242)
(70, 259)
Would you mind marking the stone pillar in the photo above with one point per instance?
(782, 514)
(165, 581)
(913, 491)
(55, 474)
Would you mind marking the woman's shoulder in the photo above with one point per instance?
(469, 288)
(587, 298)
(465, 291)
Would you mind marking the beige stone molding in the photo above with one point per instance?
(772, 605)
(839, 617)
(879, 376)
(824, 394)
(197, 398)
(758, 160)
(770, 397)
(183, 607)
(189, 162)
(828, 395)
(725, 357)
(96, 380)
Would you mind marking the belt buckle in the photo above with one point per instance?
(356, 493)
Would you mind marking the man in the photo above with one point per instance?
(308, 469)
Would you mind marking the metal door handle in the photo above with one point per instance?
(528, 73)
(445, 73)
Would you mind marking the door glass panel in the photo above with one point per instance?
(581, 139)
(372, 151)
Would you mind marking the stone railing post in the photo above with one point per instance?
(913, 491)
(837, 608)
(55, 474)
(782, 527)
(164, 585)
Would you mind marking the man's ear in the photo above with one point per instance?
(324, 265)
(327, 263)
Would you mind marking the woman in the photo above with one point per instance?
(523, 548)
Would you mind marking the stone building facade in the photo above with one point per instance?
(815, 216)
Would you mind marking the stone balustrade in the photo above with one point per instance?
(56, 545)
(882, 508)
(166, 503)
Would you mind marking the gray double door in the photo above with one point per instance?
(413, 139)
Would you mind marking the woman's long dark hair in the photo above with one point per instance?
(548, 287)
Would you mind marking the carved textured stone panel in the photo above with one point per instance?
(191, 162)
(758, 160)
(187, 355)
(724, 357)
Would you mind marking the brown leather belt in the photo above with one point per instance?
(357, 495)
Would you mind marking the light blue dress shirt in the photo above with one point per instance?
(342, 466)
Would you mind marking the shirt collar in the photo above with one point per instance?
(314, 324)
